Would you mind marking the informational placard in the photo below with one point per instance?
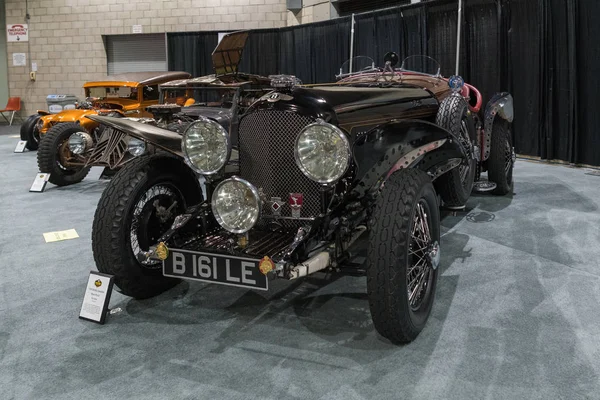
(20, 146)
(96, 297)
(57, 236)
(17, 33)
(39, 183)
(33, 67)
(136, 29)
(19, 59)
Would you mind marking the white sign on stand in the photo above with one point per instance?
(97, 296)
(39, 183)
(17, 33)
(21, 146)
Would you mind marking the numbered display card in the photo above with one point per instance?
(97, 296)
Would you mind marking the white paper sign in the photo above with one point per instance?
(20, 146)
(33, 67)
(136, 29)
(17, 33)
(19, 59)
(96, 298)
(39, 183)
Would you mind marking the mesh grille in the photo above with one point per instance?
(267, 139)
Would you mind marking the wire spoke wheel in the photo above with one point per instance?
(502, 157)
(508, 158)
(418, 272)
(465, 167)
(153, 215)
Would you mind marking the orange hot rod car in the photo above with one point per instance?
(118, 96)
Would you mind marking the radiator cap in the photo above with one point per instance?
(284, 81)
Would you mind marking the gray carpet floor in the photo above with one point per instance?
(516, 314)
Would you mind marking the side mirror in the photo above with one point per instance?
(391, 58)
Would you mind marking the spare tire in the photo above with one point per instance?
(455, 186)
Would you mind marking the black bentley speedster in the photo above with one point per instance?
(311, 169)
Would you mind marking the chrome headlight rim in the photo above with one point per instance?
(255, 193)
(199, 121)
(339, 133)
(83, 146)
(134, 150)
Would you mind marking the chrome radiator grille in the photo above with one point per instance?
(266, 141)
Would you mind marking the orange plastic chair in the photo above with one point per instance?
(13, 106)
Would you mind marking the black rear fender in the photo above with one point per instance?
(500, 105)
(402, 144)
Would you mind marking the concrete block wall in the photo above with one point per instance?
(312, 11)
(65, 36)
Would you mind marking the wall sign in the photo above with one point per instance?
(19, 59)
(17, 33)
(97, 297)
(136, 29)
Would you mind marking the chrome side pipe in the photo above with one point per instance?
(321, 260)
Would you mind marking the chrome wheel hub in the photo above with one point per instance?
(434, 255)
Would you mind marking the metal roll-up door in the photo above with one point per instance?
(136, 53)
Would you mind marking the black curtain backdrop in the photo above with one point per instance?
(545, 52)
(191, 52)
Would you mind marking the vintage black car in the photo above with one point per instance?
(318, 167)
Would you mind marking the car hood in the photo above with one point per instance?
(221, 115)
(67, 116)
(354, 108)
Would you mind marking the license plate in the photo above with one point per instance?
(215, 268)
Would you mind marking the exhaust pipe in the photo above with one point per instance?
(310, 266)
(321, 260)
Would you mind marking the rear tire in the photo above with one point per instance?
(394, 254)
(113, 239)
(51, 155)
(456, 185)
(30, 132)
(500, 162)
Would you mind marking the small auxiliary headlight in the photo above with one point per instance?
(236, 205)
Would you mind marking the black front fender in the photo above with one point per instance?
(162, 138)
(401, 144)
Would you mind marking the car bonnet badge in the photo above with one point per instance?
(276, 205)
(296, 200)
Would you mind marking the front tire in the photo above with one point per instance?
(30, 132)
(403, 256)
(456, 185)
(130, 218)
(53, 153)
(500, 162)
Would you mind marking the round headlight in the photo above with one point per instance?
(136, 147)
(206, 146)
(322, 152)
(79, 142)
(236, 205)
